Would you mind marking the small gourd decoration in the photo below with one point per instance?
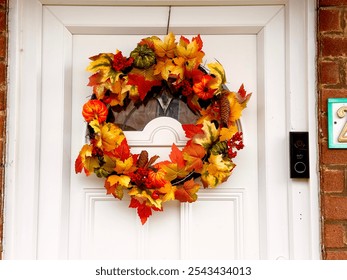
(144, 56)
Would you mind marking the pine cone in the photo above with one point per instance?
(143, 159)
(224, 109)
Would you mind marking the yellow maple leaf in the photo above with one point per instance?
(118, 91)
(191, 52)
(217, 70)
(179, 68)
(227, 132)
(173, 171)
(99, 91)
(134, 191)
(108, 136)
(169, 192)
(96, 126)
(144, 196)
(102, 64)
(125, 167)
(164, 68)
(147, 73)
(86, 161)
(115, 185)
(167, 47)
(211, 134)
(153, 202)
(235, 108)
(216, 171)
(122, 180)
(109, 163)
(111, 136)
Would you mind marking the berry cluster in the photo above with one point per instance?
(141, 178)
(236, 142)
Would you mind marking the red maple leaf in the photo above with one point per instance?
(192, 129)
(122, 151)
(134, 203)
(242, 91)
(143, 85)
(143, 210)
(243, 96)
(79, 164)
(120, 62)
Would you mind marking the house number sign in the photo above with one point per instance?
(337, 123)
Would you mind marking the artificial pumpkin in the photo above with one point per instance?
(94, 109)
(144, 56)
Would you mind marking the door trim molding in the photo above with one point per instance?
(163, 2)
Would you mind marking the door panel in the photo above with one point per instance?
(219, 214)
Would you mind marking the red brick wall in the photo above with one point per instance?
(3, 85)
(332, 82)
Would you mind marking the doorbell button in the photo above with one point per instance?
(300, 167)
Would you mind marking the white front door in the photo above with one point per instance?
(251, 216)
(221, 219)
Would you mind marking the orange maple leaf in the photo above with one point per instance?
(188, 192)
(95, 79)
(173, 170)
(176, 156)
(193, 154)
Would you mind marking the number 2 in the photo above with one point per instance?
(341, 112)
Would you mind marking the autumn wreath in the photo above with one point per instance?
(155, 66)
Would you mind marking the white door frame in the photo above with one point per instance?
(24, 127)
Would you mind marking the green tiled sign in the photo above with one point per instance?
(337, 123)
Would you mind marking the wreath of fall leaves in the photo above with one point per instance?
(153, 66)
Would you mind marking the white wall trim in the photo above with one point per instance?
(301, 81)
(163, 2)
(24, 109)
